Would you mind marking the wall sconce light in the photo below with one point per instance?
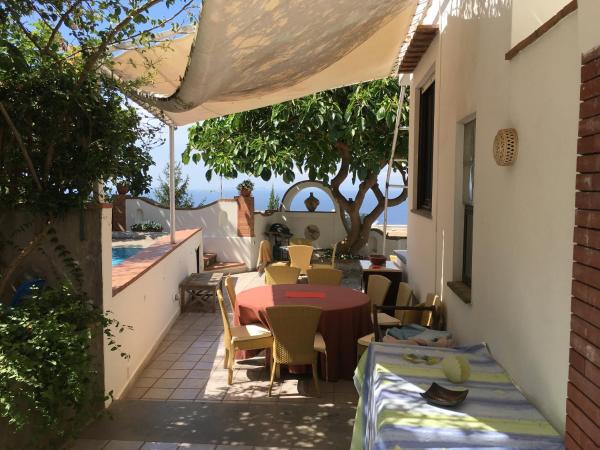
(506, 147)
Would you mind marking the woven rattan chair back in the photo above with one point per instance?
(293, 329)
(225, 318)
(403, 298)
(324, 276)
(230, 286)
(281, 275)
(377, 289)
(300, 256)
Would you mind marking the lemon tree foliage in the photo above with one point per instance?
(331, 136)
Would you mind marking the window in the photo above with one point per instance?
(425, 148)
(468, 182)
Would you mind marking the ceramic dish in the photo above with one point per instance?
(440, 396)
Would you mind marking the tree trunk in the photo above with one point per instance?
(358, 230)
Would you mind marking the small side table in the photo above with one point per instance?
(389, 270)
(202, 289)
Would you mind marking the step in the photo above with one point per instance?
(209, 258)
(226, 267)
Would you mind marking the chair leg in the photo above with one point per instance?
(273, 369)
(315, 377)
(230, 363)
(226, 359)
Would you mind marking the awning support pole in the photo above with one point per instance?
(172, 181)
(390, 164)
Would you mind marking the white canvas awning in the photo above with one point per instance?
(247, 54)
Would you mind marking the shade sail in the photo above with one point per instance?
(246, 54)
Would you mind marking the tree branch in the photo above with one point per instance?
(94, 57)
(342, 174)
(23, 28)
(21, 144)
(59, 24)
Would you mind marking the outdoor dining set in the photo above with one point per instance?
(307, 324)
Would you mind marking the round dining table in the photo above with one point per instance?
(345, 318)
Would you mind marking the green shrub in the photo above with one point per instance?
(149, 225)
(49, 380)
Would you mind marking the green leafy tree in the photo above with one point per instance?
(332, 135)
(183, 198)
(274, 200)
(64, 126)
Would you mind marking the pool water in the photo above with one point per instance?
(120, 254)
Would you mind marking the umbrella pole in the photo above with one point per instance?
(172, 181)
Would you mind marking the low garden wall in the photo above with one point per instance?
(145, 296)
(235, 235)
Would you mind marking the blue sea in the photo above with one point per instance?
(396, 215)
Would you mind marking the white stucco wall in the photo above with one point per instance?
(528, 15)
(149, 304)
(218, 219)
(523, 215)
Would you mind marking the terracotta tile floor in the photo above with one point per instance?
(188, 366)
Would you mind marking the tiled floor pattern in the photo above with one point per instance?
(186, 380)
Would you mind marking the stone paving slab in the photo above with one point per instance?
(308, 425)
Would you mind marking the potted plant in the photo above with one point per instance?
(245, 188)
(122, 188)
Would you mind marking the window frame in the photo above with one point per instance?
(425, 148)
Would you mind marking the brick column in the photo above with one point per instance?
(583, 402)
(245, 216)
(119, 213)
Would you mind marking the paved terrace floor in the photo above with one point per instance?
(181, 400)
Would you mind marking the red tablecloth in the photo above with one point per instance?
(345, 318)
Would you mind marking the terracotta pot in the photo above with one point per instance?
(244, 192)
(311, 202)
(122, 189)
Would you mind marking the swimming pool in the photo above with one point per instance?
(120, 254)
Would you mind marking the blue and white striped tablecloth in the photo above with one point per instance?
(392, 415)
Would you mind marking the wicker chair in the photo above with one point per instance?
(230, 286)
(244, 337)
(300, 256)
(403, 298)
(281, 275)
(427, 314)
(377, 290)
(328, 277)
(295, 335)
(325, 266)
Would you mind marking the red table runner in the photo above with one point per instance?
(345, 318)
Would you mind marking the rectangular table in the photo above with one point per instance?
(394, 272)
(392, 415)
(201, 288)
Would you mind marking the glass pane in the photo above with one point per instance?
(468, 162)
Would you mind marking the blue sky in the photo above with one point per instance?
(196, 172)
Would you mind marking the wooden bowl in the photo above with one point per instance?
(377, 260)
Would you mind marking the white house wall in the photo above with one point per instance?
(523, 215)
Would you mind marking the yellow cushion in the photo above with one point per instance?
(320, 343)
(248, 332)
(385, 320)
(366, 340)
